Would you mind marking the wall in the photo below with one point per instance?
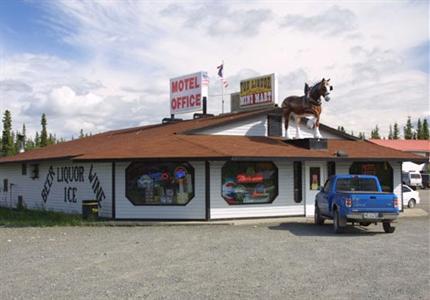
(60, 193)
(283, 205)
(195, 209)
(257, 126)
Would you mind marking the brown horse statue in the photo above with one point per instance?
(308, 106)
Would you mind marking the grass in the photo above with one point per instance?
(39, 218)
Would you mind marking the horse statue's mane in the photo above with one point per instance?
(308, 105)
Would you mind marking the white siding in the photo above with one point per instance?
(195, 209)
(257, 126)
(31, 189)
(283, 205)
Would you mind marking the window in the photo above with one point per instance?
(382, 170)
(315, 178)
(405, 189)
(356, 184)
(154, 183)
(5, 185)
(331, 168)
(327, 186)
(298, 196)
(24, 169)
(249, 182)
(35, 171)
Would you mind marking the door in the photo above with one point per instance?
(315, 177)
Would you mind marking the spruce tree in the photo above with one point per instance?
(408, 130)
(396, 133)
(44, 132)
(425, 130)
(375, 133)
(37, 140)
(362, 135)
(7, 140)
(390, 134)
(419, 130)
(24, 134)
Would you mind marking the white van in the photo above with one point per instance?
(412, 178)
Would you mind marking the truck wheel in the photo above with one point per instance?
(411, 203)
(336, 226)
(317, 216)
(388, 228)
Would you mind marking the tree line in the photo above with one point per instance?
(410, 132)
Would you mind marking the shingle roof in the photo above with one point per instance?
(405, 145)
(170, 141)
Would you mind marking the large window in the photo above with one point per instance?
(249, 182)
(149, 183)
(382, 170)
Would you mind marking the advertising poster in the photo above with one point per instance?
(187, 92)
(258, 90)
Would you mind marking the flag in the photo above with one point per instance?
(221, 76)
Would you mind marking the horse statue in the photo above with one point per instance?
(308, 106)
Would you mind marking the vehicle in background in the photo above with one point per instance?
(357, 199)
(410, 197)
(426, 180)
(412, 179)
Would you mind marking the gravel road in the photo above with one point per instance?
(279, 261)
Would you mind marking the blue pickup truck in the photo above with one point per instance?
(357, 199)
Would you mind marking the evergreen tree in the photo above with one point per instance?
(37, 140)
(375, 133)
(44, 133)
(341, 129)
(7, 139)
(81, 134)
(419, 130)
(362, 135)
(390, 134)
(24, 134)
(425, 130)
(396, 133)
(408, 130)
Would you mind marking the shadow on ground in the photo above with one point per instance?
(307, 229)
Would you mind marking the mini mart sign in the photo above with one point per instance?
(259, 90)
(187, 92)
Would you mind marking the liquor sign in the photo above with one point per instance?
(258, 90)
(187, 92)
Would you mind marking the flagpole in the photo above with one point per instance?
(222, 94)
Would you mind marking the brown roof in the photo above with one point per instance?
(171, 141)
(405, 145)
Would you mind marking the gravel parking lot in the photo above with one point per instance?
(280, 261)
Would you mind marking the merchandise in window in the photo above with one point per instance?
(170, 183)
(249, 182)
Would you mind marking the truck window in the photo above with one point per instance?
(415, 176)
(356, 184)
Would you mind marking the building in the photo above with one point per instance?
(418, 147)
(235, 165)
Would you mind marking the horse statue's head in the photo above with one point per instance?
(321, 89)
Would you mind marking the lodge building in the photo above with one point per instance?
(235, 165)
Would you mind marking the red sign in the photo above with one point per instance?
(186, 92)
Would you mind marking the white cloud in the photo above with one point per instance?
(133, 48)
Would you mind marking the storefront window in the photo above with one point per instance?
(382, 170)
(315, 178)
(249, 182)
(170, 183)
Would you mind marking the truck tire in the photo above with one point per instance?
(336, 225)
(317, 216)
(411, 203)
(388, 228)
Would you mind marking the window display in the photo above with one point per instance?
(382, 170)
(249, 182)
(315, 178)
(169, 183)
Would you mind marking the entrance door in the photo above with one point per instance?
(315, 177)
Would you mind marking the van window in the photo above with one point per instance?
(415, 176)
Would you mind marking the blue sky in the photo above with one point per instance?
(100, 65)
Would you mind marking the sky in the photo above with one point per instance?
(102, 65)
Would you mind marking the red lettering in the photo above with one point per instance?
(196, 82)
(198, 96)
(192, 98)
(174, 86)
(181, 85)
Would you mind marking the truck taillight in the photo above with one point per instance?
(396, 202)
(348, 202)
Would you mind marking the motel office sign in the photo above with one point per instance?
(187, 92)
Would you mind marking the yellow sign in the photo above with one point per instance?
(258, 90)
